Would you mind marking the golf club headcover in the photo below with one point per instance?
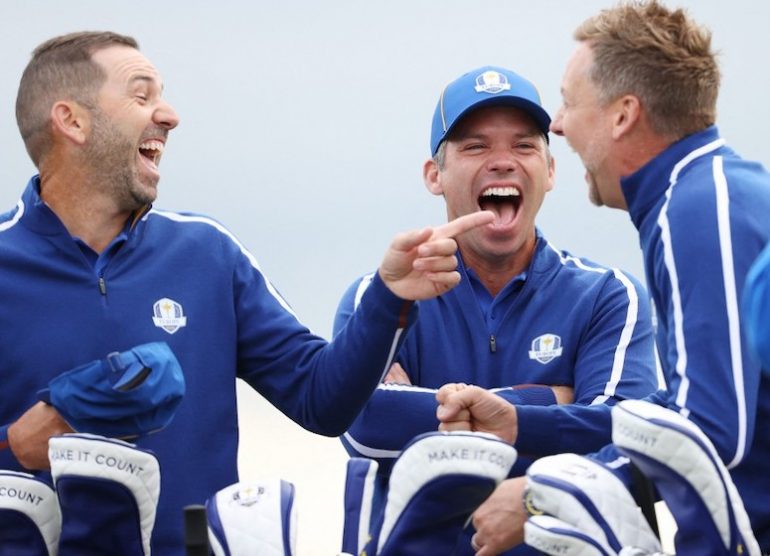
(253, 519)
(108, 494)
(30, 521)
(436, 484)
(125, 395)
(683, 464)
(590, 498)
(360, 485)
(554, 536)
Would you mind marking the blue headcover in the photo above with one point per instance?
(125, 395)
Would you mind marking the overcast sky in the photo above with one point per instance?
(304, 125)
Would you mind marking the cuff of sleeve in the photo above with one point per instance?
(538, 430)
(390, 302)
(534, 395)
(4, 437)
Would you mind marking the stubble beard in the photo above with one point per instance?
(112, 157)
(593, 191)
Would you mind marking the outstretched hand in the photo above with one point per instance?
(471, 408)
(422, 264)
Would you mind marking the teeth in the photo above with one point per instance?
(152, 146)
(501, 192)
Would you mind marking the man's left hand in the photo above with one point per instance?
(499, 521)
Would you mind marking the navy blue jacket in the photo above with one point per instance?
(567, 321)
(185, 280)
(703, 216)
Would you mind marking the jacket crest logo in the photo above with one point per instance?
(168, 315)
(545, 348)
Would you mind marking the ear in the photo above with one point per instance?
(71, 120)
(432, 177)
(627, 111)
(551, 174)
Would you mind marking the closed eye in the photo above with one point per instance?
(473, 146)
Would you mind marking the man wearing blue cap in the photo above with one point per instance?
(536, 325)
(91, 267)
(640, 102)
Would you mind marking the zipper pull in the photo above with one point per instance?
(492, 343)
(102, 285)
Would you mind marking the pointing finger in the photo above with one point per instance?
(464, 223)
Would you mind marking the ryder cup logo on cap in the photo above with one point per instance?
(486, 86)
(492, 82)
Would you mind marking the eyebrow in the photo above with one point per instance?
(146, 78)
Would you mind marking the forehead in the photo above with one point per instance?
(124, 63)
(507, 118)
(578, 67)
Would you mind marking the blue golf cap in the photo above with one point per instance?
(124, 395)
(485, 86)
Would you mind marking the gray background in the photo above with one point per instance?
(304, 126)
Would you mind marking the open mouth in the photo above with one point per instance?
(503, 201)
(151, 151)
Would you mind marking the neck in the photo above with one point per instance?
(641, 147)
(85, 211)
(496, 272)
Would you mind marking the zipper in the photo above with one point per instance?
(492, 343)
(102, 285)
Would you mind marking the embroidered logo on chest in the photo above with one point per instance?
(545, 348)
(168, 315)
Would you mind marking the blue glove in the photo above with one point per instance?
(756, 308)
(125, 395)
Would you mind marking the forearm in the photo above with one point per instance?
(394, 415)
(322, 386)
(556, 429)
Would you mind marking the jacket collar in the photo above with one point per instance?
(644, 188)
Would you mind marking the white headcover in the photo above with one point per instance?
(360, 485)
(435, 454)
(591, 499)
(24, 493)
(95, 457)
(253, 519)
(658, 433)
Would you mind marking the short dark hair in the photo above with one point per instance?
(61, 67)
(659, 55)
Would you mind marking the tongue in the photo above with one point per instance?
(504, 211)
(148, 160)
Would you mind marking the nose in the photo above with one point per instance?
(501, 160)
(165, 116)
(556, 127)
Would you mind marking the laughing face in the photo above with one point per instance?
(129, 127)
(495, 159)
(587, 125)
